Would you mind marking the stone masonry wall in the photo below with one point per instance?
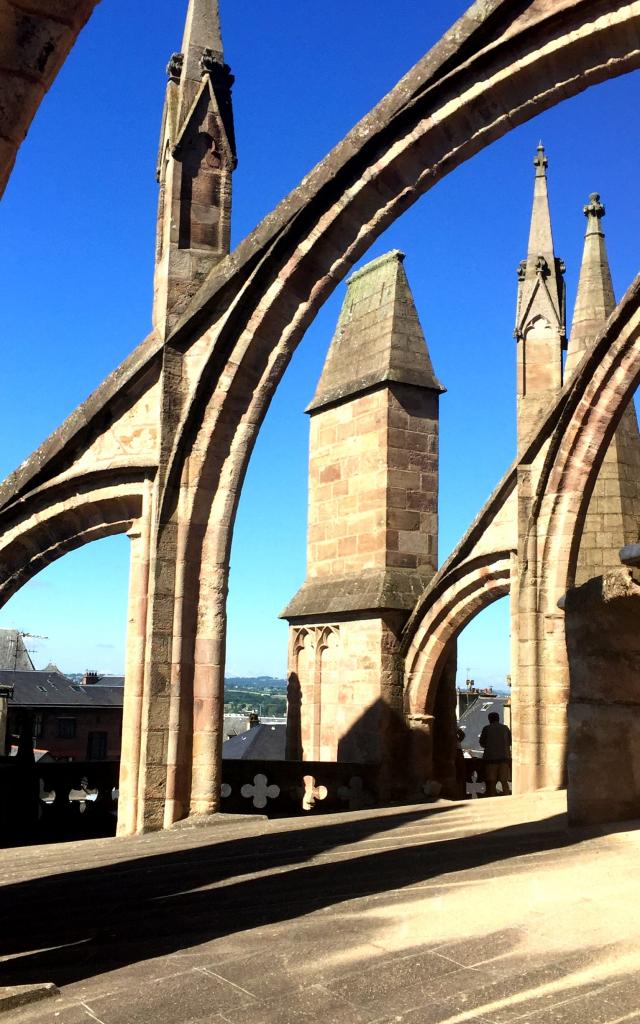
(345, 673)
(373, 483)
(613, 517)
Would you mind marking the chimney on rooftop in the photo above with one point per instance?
(90, 678)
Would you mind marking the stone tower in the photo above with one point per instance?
(373, 520)
(195, 162)
(540, 319)
(613, 516)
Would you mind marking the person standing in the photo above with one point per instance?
(495, 740)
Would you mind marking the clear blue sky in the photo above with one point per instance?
(77, 261)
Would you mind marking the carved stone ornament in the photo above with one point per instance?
(210, 62)
(174, 67)
(355, 794)
(594, 207)
(83, 795)
(312, 792)
(260, 791)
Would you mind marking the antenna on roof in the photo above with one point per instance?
(22, 634)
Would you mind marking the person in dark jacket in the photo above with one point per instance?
(495, 740)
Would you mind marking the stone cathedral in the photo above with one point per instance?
(372, 541)
(160, 450)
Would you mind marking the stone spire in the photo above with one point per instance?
(613, 516)
(378, 337)
(595, 300)
(540, 234)
(196, 159)
(540, 318)
(372, 540)
(373, 453)
(202, 42)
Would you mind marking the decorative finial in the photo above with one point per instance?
(210, 62)
(540, 161)
(594, 207)
(174, 67)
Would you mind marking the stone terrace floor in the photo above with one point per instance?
(489, 911)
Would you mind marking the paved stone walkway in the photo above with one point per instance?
(488, 911)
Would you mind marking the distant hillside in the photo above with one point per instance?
(243, 694)
(265, 684)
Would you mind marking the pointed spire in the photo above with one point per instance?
(540, 314)
(595, 299)
(378, 338)
(541, 291)
(540, 236)
(196, 160)
(202, 36)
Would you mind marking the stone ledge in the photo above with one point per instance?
(382, 589)
(15, 996)
(217, 819)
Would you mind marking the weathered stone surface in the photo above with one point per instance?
(378, 338)
(35, 39)
(613, 516)
(371, 588)
(603, 642)
(348, 918)
(15, 997)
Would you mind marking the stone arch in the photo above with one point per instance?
(499, 66)
(539, 326)
(40, 535)
(475, 586)
(604, 385)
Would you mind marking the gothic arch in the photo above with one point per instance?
(503, 62)
(39, 533)
(595, 401)
(490, 74)
(477, 585)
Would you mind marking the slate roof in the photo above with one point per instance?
(13, 653)
(52, 667)
(262, 743)
(475, 718)
(233, 725)
(52, 689)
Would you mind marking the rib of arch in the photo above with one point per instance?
(504, 62)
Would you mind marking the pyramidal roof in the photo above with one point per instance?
(378, 338)
(595, 300)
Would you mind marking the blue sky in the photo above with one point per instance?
(80, 216)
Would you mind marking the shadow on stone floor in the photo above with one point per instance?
(103, 918)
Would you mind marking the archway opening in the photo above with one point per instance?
(63, 643)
